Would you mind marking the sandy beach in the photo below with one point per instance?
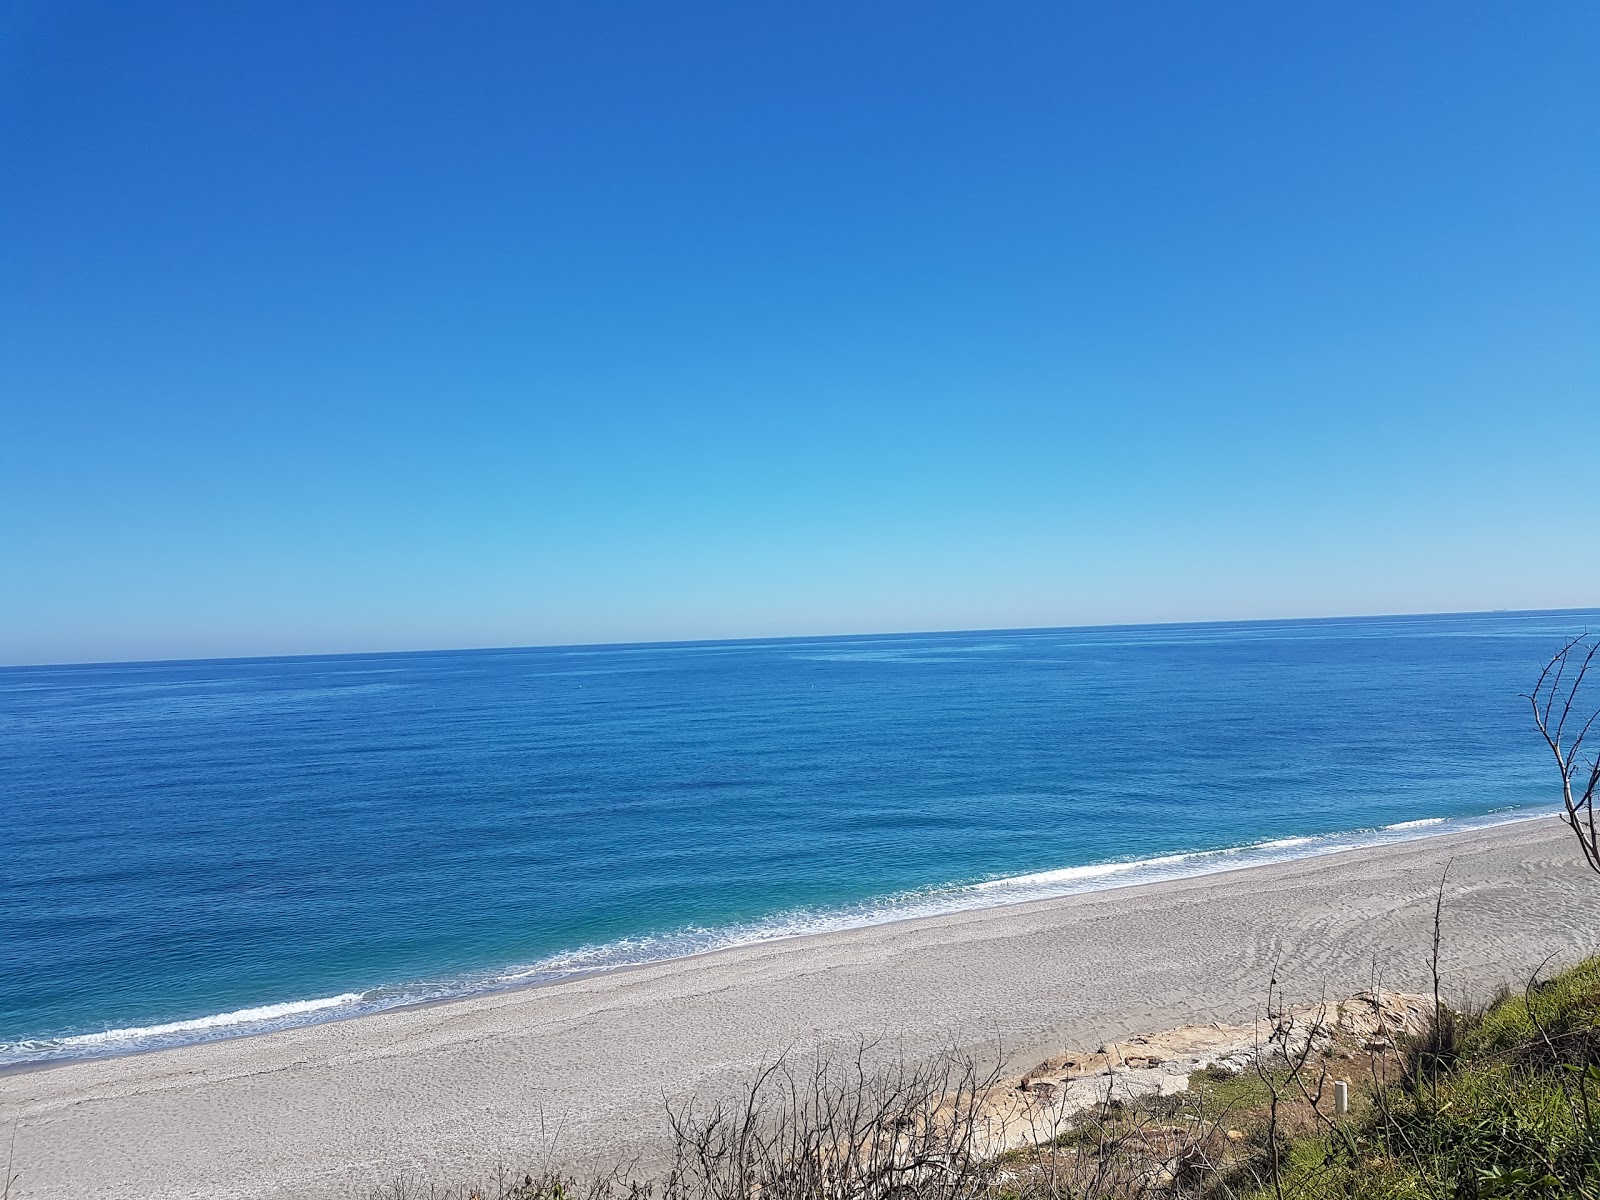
(444, 1093)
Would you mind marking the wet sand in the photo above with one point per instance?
(581, 1069)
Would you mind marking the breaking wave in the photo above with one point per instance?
(695, 940)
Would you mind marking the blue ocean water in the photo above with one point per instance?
(198, 849)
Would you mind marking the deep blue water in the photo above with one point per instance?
(188, 840)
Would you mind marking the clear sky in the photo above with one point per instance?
(338, 326)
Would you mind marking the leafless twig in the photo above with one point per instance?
(1558, 701)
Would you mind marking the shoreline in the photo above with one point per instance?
(1107, 876)
(443, 1092)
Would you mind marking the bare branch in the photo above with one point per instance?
(1558, 698)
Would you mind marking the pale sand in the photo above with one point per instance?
(443, 1092)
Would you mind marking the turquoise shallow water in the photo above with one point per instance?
(201, 849)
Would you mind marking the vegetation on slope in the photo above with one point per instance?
(1500, 1103)
(1506, 1103)
(1503, 1103)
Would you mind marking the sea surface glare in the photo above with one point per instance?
(200, 849)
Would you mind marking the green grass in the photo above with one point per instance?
(1502, 1104)
(1563, 1006)
(1223, 1091)
(1497, 1105)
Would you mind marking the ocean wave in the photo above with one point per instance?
(258, 1018)
(692, 941)
(1061, 875)
(244, 1016)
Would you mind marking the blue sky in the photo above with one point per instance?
(354, 327)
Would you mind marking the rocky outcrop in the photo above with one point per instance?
(1041, 1103)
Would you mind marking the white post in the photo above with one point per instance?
(1341, 1097)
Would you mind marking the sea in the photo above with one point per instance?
(207, 849)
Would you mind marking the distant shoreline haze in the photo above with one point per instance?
(1578, 610)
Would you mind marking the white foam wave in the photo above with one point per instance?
(243, 1016)
(135, 1035)
(695, 940)
(986, 893)
(1061, 875)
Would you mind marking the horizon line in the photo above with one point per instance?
(800, 637)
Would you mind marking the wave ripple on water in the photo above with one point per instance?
(683, 943)
(207, 849)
